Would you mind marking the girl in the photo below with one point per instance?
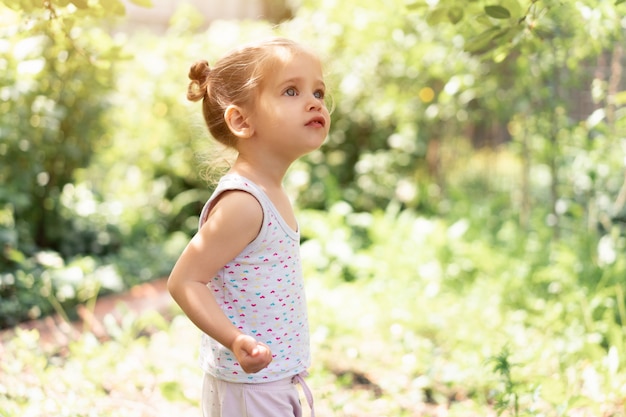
(239, 279)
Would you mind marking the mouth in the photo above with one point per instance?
(317, 122)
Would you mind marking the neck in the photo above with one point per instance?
(266, 173)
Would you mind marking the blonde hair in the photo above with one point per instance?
(234, 80)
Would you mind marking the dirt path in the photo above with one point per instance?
(54, 331)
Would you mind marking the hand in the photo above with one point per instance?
(253, 356)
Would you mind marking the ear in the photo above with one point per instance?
(237, 122)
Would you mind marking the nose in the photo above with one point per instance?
(314, 103)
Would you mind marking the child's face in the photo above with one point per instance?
(290, 113)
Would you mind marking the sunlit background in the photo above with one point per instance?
(463, 225)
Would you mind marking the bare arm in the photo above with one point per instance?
(233, 223)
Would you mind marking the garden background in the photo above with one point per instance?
(463, 225)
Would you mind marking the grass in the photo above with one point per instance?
(434, 322)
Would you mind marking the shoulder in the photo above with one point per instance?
(237, 202)
(235, 212)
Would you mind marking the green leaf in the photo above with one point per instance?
(142, 3)
(14, 255)
(619, 2)
(497, 12)
(482, 42)
(484, 20)
(455, 14)
(513, 6)
(416, 5)
(81, 4)
(506, 35)
(437, 16)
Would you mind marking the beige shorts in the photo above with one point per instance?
(271, 399)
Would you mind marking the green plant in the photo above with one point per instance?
(508, 398)
(55, 84)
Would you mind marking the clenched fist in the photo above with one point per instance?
(253, 356)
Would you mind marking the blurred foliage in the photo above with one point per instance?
(57, 73)
(54, 98)
(412, 93)
(439, 312)
(409, 315)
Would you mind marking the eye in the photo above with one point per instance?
(291, 92)
(319, 94)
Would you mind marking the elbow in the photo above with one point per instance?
(171, 286)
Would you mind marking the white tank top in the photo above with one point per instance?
(262, 292)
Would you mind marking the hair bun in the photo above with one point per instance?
(199, 76)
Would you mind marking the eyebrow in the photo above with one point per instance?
(295, 80)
